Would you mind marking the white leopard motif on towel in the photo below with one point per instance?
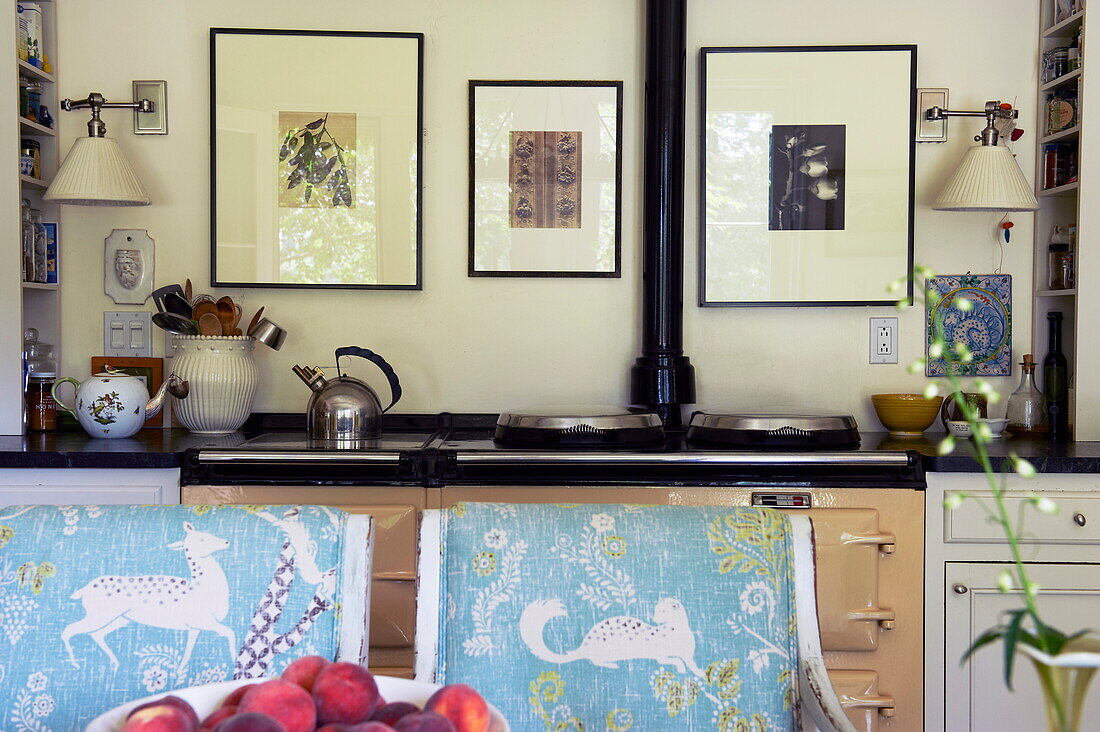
(668, 640)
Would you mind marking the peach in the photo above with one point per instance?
(158, 718)
(285, 702)
(303, 671)
(250, 722)
(235, 696)
(172, 701)
(462, 705)
(424, 722)
(371, 727)
(218, 715)
(390, 713)
(345, 693)
(333, 728)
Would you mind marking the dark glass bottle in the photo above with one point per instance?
(1056, 382)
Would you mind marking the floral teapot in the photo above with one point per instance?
(114, 404)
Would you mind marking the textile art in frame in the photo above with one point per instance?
(806, 195)
(545, 178)
(985, 329)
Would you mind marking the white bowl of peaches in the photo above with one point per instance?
(313, 695)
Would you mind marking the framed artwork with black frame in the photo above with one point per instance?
(545, 178)
(806, 174)
(316, 158)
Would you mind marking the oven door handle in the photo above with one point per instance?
(885, 618)
(884, 704)
(887, 543)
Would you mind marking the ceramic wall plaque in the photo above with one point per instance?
(128, 259)
(986, 328)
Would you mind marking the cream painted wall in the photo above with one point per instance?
(479, 344)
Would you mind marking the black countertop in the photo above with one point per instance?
(160, 448)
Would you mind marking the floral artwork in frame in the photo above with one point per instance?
(985, 329)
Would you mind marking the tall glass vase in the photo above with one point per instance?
(1065, 680)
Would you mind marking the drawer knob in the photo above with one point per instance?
(1079, 519)
(960, 589)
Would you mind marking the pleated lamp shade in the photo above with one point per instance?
(95, 173)
(987, 179)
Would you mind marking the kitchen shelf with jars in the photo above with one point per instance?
(33, 98)
(1066, 256)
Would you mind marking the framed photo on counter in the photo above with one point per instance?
(806, 174)
(545, 178)
(150, 370)
(316, 158)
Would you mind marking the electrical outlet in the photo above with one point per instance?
(884, 340)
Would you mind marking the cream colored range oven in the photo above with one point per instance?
(870, 554)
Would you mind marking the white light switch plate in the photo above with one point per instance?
(127, 333)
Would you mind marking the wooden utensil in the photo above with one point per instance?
(226, 314)
(187, 290)
(255, 320)
(209, 325)
(204, 307)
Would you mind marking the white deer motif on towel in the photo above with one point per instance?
(668, 640)
(193, 604)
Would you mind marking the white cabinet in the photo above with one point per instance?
(976, 698)
(78, 486)
(963, 549)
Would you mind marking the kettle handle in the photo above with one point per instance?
(391, 375)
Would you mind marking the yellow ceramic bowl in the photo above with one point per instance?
(906, 415)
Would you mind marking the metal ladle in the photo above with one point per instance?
(176, 324)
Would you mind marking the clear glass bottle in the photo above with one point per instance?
(1025, 406)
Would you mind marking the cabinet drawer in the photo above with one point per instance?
(1077, 520)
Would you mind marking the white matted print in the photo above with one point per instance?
(545, 178)
(807, 174)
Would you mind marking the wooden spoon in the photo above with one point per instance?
(255, 319)
(227, 315)
(187, 290)
(203, 307)
(209, 325)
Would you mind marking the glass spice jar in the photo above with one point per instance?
(41, 374)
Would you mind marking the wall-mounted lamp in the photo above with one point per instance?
(988, 177)
(95, 172)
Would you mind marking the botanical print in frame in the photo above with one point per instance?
(317, 152)
(806, 196)
(545, 178)
(315, 177)
(985, 329)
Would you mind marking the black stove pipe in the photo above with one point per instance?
(663, 378)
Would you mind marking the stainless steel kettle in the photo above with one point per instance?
(344, 412)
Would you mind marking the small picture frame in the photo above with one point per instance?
(545, 178)
(150, 370)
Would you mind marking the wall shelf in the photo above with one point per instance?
(1061, 81)
(1056, 293)
(29, 180)
(33, 129)
(1068, 189)
(39, 285)
(33, 72)
(1066, 28)
(1067, 135)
